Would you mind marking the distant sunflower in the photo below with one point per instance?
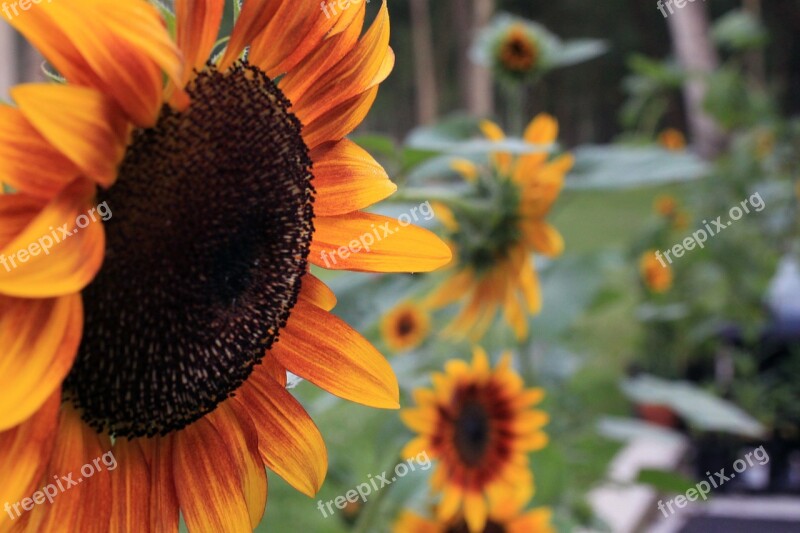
(517, 52)
(405, 327)
(480, 425)
(665, 205)
(225, 184)
(494, 269)
(672, 139)
(656, 276)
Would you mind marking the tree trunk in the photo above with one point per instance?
(690, 32)
(424, 62)
(462, 29)
(8, 66)
(481, 90)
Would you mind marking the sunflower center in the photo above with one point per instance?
(406, 325)
(205, 253)
(473, 432)
(491, 527)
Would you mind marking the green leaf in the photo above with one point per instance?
(739, 30)
(618, 167)
(665, 481)
(376, 144)
(698, 407)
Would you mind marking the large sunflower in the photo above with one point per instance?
(479, 423)
(495, 237)
(163, 333)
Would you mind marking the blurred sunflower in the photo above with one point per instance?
(657, 277)
(508, 519)
(479, 423)
(665, 205)
(672, 139)
(494, 236)
(171, 348)
(405, 327)
(517, 52)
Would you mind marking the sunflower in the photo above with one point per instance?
(656, 274)
(517, 52)
(163, 332)
(509, 519)
(479, 423)
(665, 205)
(672, 139)
(494, 236)
(405, 327)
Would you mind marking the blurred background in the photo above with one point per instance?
(655, 376)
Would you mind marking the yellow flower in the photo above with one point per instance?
(495, 271)
(480, 425)
(672, 139)
(405, 327)
(656, 276)
(163, 332)
(533, 521)
(666, 205)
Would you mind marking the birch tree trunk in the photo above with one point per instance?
(481, 90)
(424, 62)
(690, 31)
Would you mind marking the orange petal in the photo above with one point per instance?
(295, 30)
(305, 75)
(365, 66)
(17, 211)
(272, 367)
(116, 48)
(240, 436)
(27, 161)
(347, 179)
(73, 255)
(327, 352)
(197, 23)
(289, 442)
(207, 481)
(339, 121)
(40, 339)
(81, 123)
(163, 497)
(24, 454)
(253, 18)
(130, 489)
(316, 292)
(493, 132)
(374, 243)
(85, 504)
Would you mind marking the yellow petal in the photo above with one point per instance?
(40, 339)
(27, 161)
(543, 238)
(24, 454)
(543, 129)
(118, 49)
(475, 511)
(347, 179)
(52, 256)
(327, 352)
(383, 245)
(237, 430)
(130, 489)
(289, 442)
(81, 123)
(316, 292)
(207, 481)
(340, 120)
